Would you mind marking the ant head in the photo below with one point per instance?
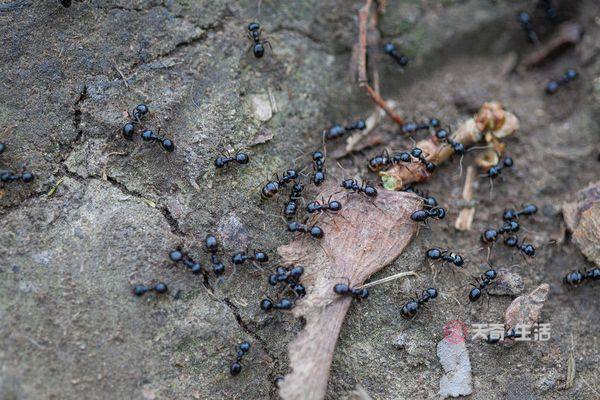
(389, 48)
(242, 158)
(490, 274)
(489, 236)
(253, 26)
(176, 255)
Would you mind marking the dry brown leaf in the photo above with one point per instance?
(365, 236)
(525, 310)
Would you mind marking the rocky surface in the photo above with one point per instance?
(103, 213)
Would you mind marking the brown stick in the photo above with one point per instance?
(363, 21)
(466, 214)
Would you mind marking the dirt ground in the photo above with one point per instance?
(103, 213)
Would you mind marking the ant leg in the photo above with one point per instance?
(491, 187)
(267, 42)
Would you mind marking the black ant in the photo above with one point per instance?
(65, 3)
(283, 304)
(525, 21)
(549, 9)
(428, 201)
(314, 230)
(576, 278)
(241, 257)
(446, 255)
(2, 148)
(9, 176)
(150, 136)
(291, 207)
(346, 290)
(289, 276)
(383, 161)
(338, 130)
(512, 334)
(236, 367)
(443, 135)
(258, 47)
(552, 86)
(272, 187)
(212, 245)
(491, 235)
(240, 158)
(352, 184)
(525, 248)
(138, 113)
(411, 127)
(409, 310)
(496, 170)
(485, 280)
(330, 205)
(390, 50)
(319, 166)
(433, 212)
(528, 209)
(179, 256)
(160, 287)
(418, 154)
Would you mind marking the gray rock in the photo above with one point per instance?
(506, 284)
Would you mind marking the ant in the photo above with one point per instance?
(525, 21)
(485, 280)
(9, 176)
(338, 130)
(138, 113)
(291, 277)
(240, 158)
(272, 187)
(433, 212)
(383, 161)
(525, 248)
(429, 201)
(576, 278)
(319, 165)
(552, 86)
(391, 50)
(411, 127)
(291, 207)
(314, 230)
(236, 367)
(2, 147)
(496, 170)
(254, 32)
(346, 290)
(179, 256)
(546, 5)
(283, 304)
(443, 136)
(331, 205)
(512, 334)
(65, 3)
(241, 257)
(528, 209)
(418, 153)
(212, 245)
(491, 235)
(446, 255)
(352, 184)
(150, 136)
(409, 310)
(160, 287)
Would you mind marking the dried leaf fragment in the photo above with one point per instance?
(365, 236)
(525, 310)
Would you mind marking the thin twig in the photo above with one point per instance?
(381, 103)
(388, 279)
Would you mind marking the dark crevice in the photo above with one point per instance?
(254, 335)
(163, 210)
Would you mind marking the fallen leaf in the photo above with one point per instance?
(525, 310)
(454, 357)
(365, 236)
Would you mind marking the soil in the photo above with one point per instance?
(103, 213)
